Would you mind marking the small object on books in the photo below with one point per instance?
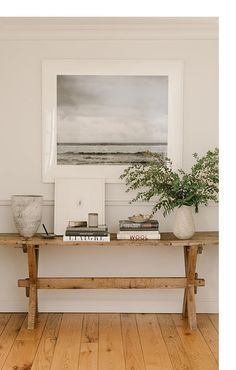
(140, 218)
(142, 230)
(77, 224)
(92, 219)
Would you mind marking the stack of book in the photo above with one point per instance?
(96, 234)
(130, 230)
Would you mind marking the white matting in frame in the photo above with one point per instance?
(62, 111)
(75, 198)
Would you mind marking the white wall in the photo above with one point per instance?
(23, 46)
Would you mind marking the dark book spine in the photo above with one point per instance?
(86, 233)
(87, 229)
(131, 229)
(131, 225)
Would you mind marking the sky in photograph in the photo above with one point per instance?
(112, 109)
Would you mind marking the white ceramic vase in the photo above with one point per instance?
(27, 213)
(184, 223)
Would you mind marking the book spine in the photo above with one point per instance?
(86, 238)
(138, 225)
(138, 222)
(143, 229)
(139, 232)
(86, 233)
(138, 237)
(87, 229)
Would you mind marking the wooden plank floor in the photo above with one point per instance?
(77, 341)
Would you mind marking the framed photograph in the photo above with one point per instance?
(99, 116)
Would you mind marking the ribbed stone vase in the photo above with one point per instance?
(27, 213)
(184, 224)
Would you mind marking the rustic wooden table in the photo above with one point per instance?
(189, 282)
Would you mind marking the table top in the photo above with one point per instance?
(208, 238)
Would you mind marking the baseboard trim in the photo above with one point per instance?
(60, 305)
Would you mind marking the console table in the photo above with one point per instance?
(190, 282)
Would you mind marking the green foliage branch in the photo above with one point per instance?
(156, 178)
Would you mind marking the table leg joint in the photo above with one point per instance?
(200, 249)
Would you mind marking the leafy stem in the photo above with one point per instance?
(156, 178)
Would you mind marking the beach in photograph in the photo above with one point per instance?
(104, 153)
(110, 119)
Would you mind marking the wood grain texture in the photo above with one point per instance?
(111, 354)
(4, 318)
(33, 255)
(131, 343)
(111, 283)
(23, 351)
(178, 356)
(108, 342)
(215, 320)
(66, 354)
(209, 333)
(190, 283)
(199, 354)
(88, 359)
(9, 335)
(155, 352)
(209, 238)
(44, 355)
(32, 310)
(191, 271)
(184, 309)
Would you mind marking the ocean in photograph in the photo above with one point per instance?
(106, 153)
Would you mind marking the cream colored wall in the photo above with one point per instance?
(22, 49)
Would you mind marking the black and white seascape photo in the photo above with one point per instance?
(110, 119)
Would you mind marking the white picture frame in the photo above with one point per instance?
(110, 173)
(75, 198)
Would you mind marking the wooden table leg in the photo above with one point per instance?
(189, 299)
(32, 252)
(184, 310)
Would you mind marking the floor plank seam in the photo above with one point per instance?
(39, 339)
(186, 352)
(200, 332)
(167, 348)
(2, 334)
(80, 345)
(140, 341)
(213, 323)
(6, 322)
(15, 337)
(98, 341)
(173, 368)
(122, 341)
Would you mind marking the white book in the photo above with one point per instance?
(134, 236)
(86, 238)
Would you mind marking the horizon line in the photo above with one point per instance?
(107, 143)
